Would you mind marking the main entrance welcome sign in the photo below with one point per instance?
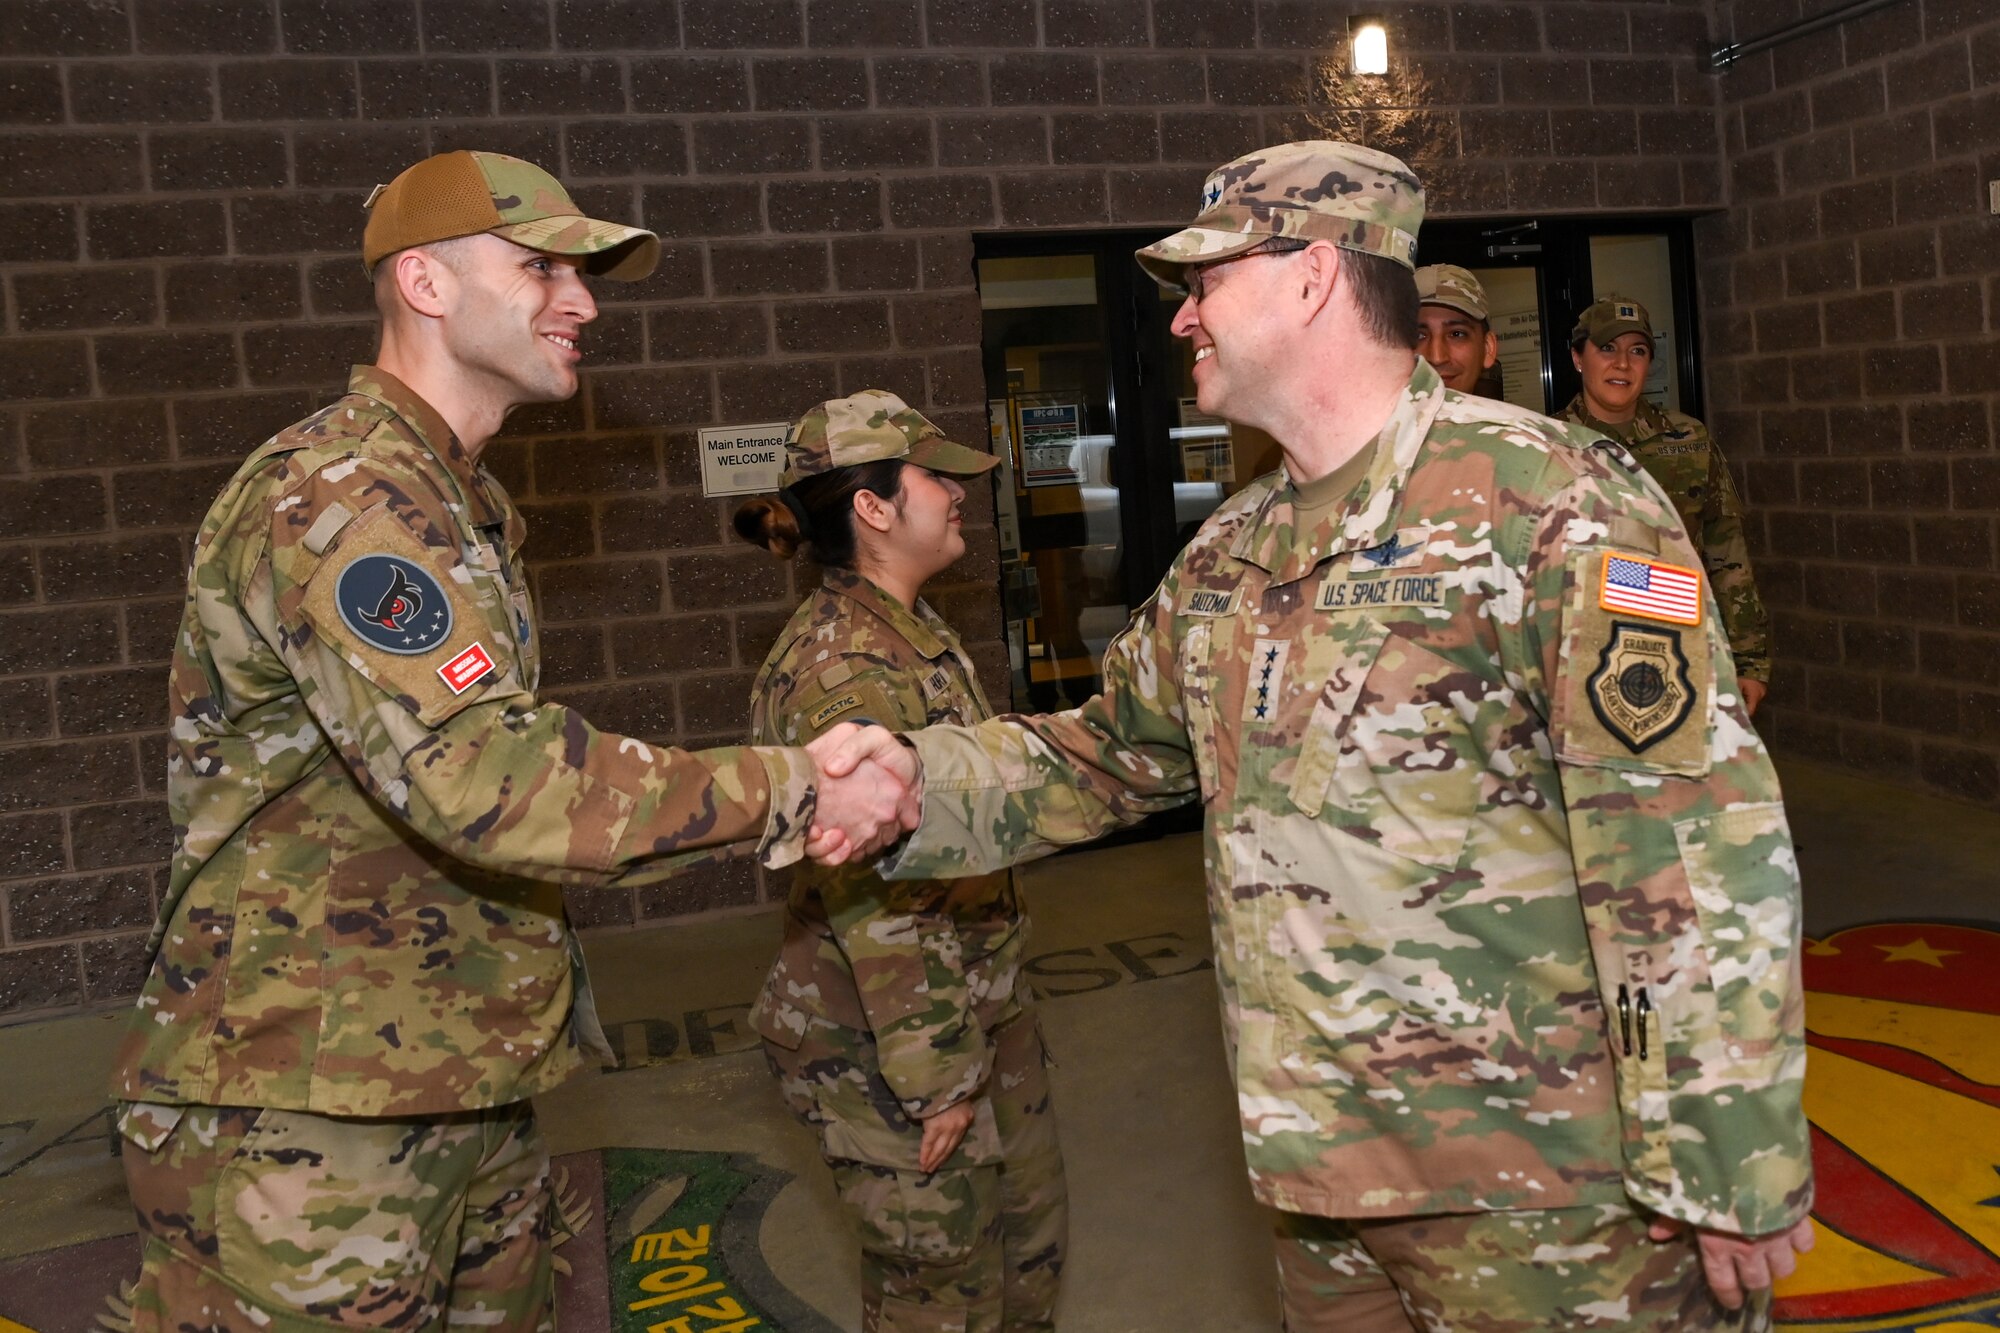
(742, 460)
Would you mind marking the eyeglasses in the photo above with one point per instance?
(1196, 274)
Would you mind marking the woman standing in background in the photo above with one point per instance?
(1612, 346)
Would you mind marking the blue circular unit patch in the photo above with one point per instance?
(393, 605)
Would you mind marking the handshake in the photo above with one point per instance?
(870, 793)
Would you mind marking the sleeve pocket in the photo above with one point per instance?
(405, 617)
(1743, 876)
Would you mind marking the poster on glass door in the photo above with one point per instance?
(1207, 451)
(1048, 444)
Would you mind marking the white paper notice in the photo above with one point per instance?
(742, 460)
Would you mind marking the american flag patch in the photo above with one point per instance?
(1648, 588)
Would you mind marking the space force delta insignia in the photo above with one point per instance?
(393, 605)
(1640, 690)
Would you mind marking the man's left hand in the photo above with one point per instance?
(1736, 1265)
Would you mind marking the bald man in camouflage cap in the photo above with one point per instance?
(1505, 902)
(362, 970)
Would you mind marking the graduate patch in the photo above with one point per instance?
(1391, 590)
(393, 604)
(1640, 690)
(832, 709)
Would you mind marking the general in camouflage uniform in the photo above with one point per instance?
(362, 969)
(892, 1003)
(1505, 905)
(1676, 451)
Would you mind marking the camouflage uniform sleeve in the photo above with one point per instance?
(1683, 861)
(1014, 788)
(478, 766)
(902, 946)
(1744, 618)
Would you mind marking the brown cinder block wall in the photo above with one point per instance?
(180, 203)
(1853, 358)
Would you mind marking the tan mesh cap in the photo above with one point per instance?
(1451, 286)
(468, 193)
(868, 427)
(1610, 317)
(1320, 189)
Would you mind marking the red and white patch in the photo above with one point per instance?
(467, 669)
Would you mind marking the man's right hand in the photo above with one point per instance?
(870, 793)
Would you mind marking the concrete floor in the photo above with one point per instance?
(1164, 1232)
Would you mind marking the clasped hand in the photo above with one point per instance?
(870, 793)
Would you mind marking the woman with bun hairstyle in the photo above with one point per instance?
(896, 1017)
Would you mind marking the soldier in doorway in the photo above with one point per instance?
(1455, 330)
(1612, 346)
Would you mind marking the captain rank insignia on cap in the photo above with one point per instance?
(1626, 310)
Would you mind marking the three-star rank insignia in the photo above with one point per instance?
(1640, 690)
(393, 604)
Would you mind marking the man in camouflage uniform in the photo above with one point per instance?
(1454, 332)
(362, 969)
(1505, 904)
(898, 1010)
(1676, 451)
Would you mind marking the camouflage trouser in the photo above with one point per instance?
(1518, 1272)
(974, 1247)
(264, 1221)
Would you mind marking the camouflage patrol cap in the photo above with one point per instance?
(1452, 286)
(1319, 189)
(868, 427)
(467, 193)
(1609, 318)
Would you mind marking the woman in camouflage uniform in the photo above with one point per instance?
(895, 1017)
(1612, 346)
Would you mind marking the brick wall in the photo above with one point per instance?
(180, 201)
(1853, 303)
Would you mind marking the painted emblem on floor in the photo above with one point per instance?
(679, 1245)
(1903, 1091)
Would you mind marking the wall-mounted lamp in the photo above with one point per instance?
(1370, 43)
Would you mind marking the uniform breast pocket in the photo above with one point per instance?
(1198, 700)
(1388, 754)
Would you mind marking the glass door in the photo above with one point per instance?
(1052, 408)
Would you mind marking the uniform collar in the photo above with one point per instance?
(432, 433)
(1368, 519)
(1646, 423)
(920, 629)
